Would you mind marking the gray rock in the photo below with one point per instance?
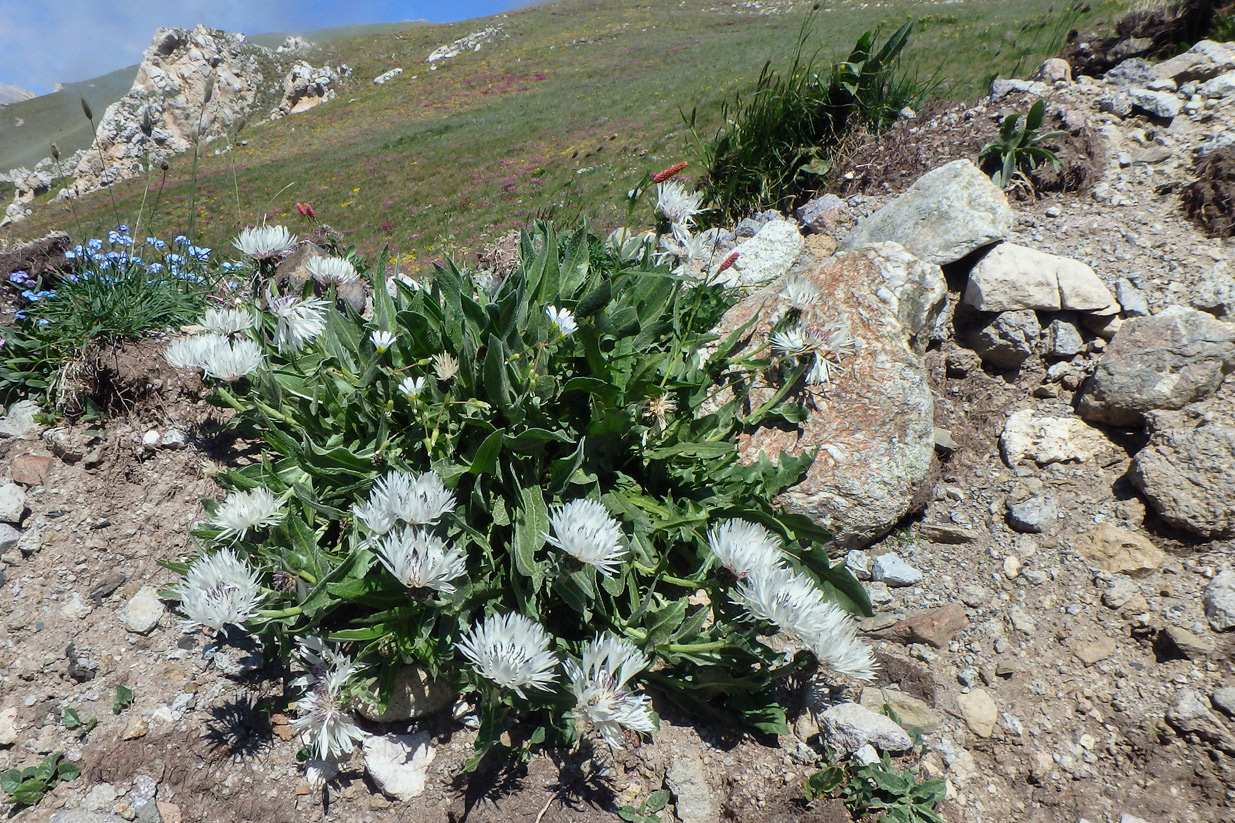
(1204, 60)
(1221, 86)
(1220, 601)
(849, 726)
(1215, 292)
(916, 291)
(12, 503)
(1034, 515)
(1043, 439)
(1190, 716)
(859, 563)
(947, 533)
(1118, 104)
(399, 763)
(1186, 643)
(1001, 88)
(948, 213)
(1119, 592)
(1131, 299)
(1012, 277)
(174, 439)
(692, 796)
(913, 713)
(1007, 340)
(1188, 476)
(1222, 698)
(413, 694)
(9, 537)
(1159, 104)
(1134, 71)
(890, 569)
(766, 256)
(1063, 340)
(143, 611)
(8, 726)
(19, 422)
(1215, 142)
(1161, 362)
(820, 214)
(81, 816)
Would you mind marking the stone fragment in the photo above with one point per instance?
(849, 726)
(693, 798)
(399, 763)
(136, 730)
(1054, 70)
(948, 213)
(19, 423)
(1030, 435)
(892, 570)
(859, 563)
(1120, 551)
(934, 627)
(979, 710)
(1203, 61)
(12, 503)
(1131, 299)
(1034, 515)
(766, 256)
(1119, 592)
(1223, 699)
(947, 533)
(1001, 88)
(1219, 601)
(912, 712)
(1191, 716)
(1007, 340)
(143, 611)
(1160, 104)
(1011, 277)
(413, 694)
(820, 214)
(1188, 476)
(8, 726)
(1165, 361)
(1063, 340)
(9, 537)
(1134, 71)
(1186, 643)
(30, 469)
(1090, 652)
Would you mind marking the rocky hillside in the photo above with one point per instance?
(13, 94)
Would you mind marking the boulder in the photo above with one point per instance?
(820, 214)
(766, 256)
(1007, 340)
(306, 87)
(1160, 104)
(1013, 278)
(1188, 477)
(1203, 61)
(1221, 86)
(850, 726)
(872, 423)
(916, 291)
(399, 763)
(944, 216)
(1164, 361)
(1120, 551)
(1029, 435)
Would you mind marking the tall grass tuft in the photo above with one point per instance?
(776, 143)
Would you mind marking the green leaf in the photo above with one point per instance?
(485, 461)
(121, 699)
(531, 525)
(656, 801)
(10, 779)
(496, 380)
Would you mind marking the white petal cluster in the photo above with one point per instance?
(190, 352)
(677, 204)
(414, 499)
(265, 242)
(445, 366)
(793, 603)
(421, 561)
(226, 321)
(242, 511)
(584, 530)
(299, 319)
(233, 360)
(412, 387)
(563, 320)
(800, 293)
(217, 591)
(336, 270)
(743, 547)
(382, 340)
(602, 698)
(324, 722)
(792, 342)
(511, 651)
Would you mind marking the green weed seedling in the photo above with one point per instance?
(878, 788)
(649, 810)
(26, 787)
(72, 721)
(122, 699)
(1019, 147)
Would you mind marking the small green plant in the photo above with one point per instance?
(26, 787)
(649, 810)
(1019, 148)
(880, 789)
(122, 699)
(72, 721)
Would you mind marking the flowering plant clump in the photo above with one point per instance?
(527, 486)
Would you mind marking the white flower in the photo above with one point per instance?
(677, 205)
(382, 340)
(246, 510)
(584, 530)
(265, 242)
(800, 293)
(421, 561)
(414, 499)
(445, 366)
(300, 320)
(226, 321)
(392, 284)
(599, 688)
(511, 651)
(821, 370)
(563, 320)
(412, 387)
(324, 723)
(742, 547)
(234, 361)
(326, 270)
(792, 342)
(191, 352)
(797, 607)
(219, 590)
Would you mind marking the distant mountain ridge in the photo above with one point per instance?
(14, 94)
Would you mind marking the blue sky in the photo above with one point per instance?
(43, 42)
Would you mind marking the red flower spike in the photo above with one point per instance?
(662, 176)
(728, 262)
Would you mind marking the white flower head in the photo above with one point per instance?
(793, 603)
(742, 547)
(821, 370)
(192, 352)
(677, 205)
(563, 320)
(324, 722)
(800, 293)
(336, 270)
(226, 321)
(793, 342)
(584, 530)
(382, 340)
(601, 695)
(299, 320)
(242, 511)
(265, 242)
(511, 651)
(445, 366)
(411, 498)
(412, 387)
(421, 561)
(219, 590)
(232, 361)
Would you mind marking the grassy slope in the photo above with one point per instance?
(566, 111)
